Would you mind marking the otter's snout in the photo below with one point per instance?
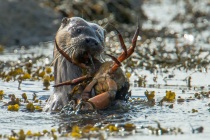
(91, 43)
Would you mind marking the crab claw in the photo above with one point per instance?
(103, 100)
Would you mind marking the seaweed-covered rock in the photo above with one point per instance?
(118, 11)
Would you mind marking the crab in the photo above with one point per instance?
(108, 82)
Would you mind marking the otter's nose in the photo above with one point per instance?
(91, 42)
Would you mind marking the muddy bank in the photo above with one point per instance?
(26, 22)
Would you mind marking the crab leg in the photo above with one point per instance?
(103, 100)
(123, 55)
(67, 56)
(72, 82)
(87, 90)
(114, 59)
(121, 40)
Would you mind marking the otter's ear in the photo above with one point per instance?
(65, 20)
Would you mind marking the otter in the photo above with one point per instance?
(83, 41)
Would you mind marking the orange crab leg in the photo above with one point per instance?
(87, 90)
(114, 59)
(67, 56)
(72, 82)
(103, 100)
(123, 55)
(121, 40)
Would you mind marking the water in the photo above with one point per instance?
(180, 116)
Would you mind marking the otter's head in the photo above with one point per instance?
(82, 41)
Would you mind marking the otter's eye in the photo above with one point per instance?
(65, 20)
(78, 30)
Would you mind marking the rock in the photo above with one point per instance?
(26, 22)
